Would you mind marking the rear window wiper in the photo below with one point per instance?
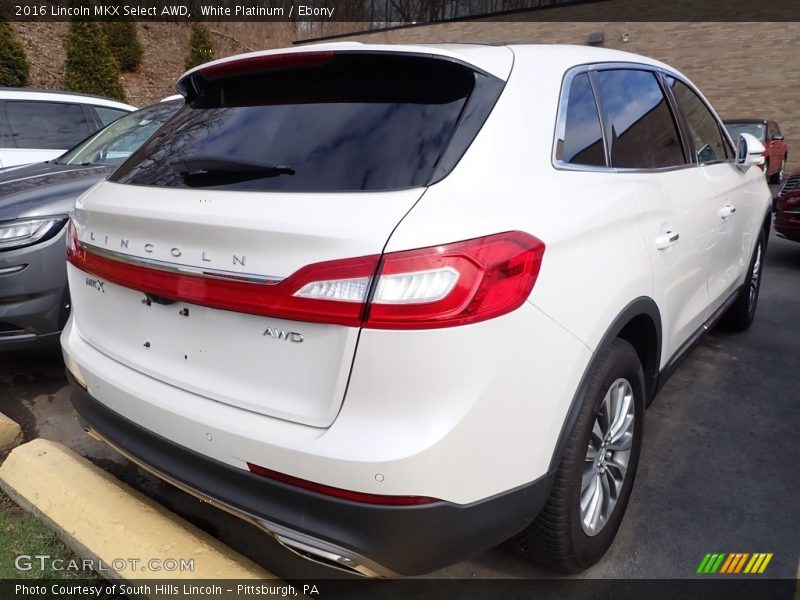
(193, 165)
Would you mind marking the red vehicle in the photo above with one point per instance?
(769, 133)
(787, 209)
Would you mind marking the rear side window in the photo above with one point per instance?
(705, 133)
(639, 125)
(47, 125)
(356, 122)
(109, 115)
(582, 143)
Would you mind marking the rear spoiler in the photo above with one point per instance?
(193, 81)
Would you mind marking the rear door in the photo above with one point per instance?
(268, 173)
(736, 195)
(675, 200)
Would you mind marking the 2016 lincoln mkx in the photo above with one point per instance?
(399, 304)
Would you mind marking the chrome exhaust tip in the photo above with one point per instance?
(325, 557)
(322, 552)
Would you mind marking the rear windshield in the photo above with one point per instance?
(357, 122)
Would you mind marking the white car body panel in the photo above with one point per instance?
(679, 202)
(54, 96)
(603, 232)
(14, 157)
(736, 233)
(222, 353)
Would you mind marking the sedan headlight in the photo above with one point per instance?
(24, 232)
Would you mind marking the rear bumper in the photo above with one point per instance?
(381, 540)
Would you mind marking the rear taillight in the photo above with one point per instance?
(455, 284)
(274, 299)
(440, 286)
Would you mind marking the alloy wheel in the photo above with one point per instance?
(607, 457)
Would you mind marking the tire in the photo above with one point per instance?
(766, 170)
(559, 538)
(777, 177)
(741, 314)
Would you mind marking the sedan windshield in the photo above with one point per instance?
(112, 145)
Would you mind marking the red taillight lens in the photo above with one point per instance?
(340, 493)
(440, 286)
(269, 299)
(495, 275)
(254, 64)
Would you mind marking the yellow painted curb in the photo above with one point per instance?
(10, 433)
(103, 519)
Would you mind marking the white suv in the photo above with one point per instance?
(39, 125)
(398, 304)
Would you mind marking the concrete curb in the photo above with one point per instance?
(10, 433)
(103, 519)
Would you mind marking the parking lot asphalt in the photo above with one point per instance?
(720, 466)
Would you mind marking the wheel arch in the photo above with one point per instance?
(639, 323)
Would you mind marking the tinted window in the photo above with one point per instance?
(583, 138)
(704, 131)
(358, 122)
(45, 124)
(640, 127)
(109, 115)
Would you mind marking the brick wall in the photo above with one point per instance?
(744, 69)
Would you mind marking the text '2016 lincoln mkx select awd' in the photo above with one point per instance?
(399, 304)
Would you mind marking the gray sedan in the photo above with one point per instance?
(35, 202)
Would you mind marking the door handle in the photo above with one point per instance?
(665, 240)
(726, 211)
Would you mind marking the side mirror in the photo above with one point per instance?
(777, 138)
(749, 152)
